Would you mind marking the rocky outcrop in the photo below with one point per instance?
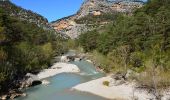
(30, 80)
(12, 95)
(15, 93)
(125, 6)
(18, 86)
(69, 26)
(93, 6)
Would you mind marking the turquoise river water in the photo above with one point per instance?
(61, 84)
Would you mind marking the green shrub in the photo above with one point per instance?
(25, 47)
(101, 60)
(106, 83)
(71, 44)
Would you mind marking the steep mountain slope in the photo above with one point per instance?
(93, 8)
(28, 16)
(24, 14)
(24, 47)
(140, 43)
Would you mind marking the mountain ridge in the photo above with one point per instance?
(68, 25)
(25, 14)
(28, 16)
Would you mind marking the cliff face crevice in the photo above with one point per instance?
(93, 8)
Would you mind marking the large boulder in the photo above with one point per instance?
(71, 58)
(15, 93)
(64, 59)
(30, 80)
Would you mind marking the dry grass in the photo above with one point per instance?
(153, 77)
(146, 79)
(164, 79)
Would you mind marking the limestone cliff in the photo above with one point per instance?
(70, 27)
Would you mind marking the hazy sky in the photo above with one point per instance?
(51, 9)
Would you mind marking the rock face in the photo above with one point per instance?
(12, 95)
(93, 6)
(69, 26)
(125, 6)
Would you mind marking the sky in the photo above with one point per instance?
(51, 9)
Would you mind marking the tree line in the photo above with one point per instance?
(24, 47)
(140, 42)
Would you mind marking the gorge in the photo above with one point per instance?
(108, 50)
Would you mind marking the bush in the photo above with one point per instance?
(152, 77)
(88, 40)
(102, 61)
(24, 47)
(106, 83)
(71, 44)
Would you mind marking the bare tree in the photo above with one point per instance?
(155, 48)
(124, 52)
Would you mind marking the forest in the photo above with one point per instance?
(139, 42)
(24, 48)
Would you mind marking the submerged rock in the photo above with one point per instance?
(77, 59)
(45, 82)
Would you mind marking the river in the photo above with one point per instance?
(61, 84)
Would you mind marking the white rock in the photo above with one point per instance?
(77, 59)
(89, 61)
(45, 82)
(64, 59)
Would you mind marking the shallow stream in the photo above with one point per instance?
(61, 84)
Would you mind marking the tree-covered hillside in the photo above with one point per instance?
(140, 42)
(24, 14)
(24, 47)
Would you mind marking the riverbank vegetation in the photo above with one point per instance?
(140, 42)
(24, 47)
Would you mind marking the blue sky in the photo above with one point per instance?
(51, 9)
